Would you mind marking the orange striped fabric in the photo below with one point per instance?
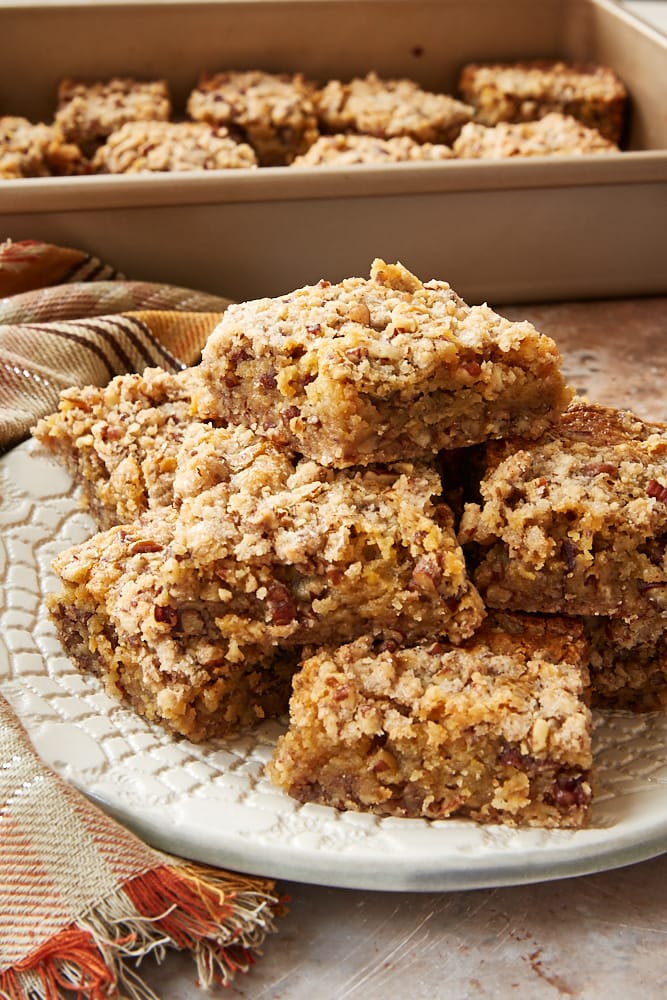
(85, 328)
(80, 896)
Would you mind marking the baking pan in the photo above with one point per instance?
(541, 229)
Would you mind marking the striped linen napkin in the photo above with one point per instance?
(79, 910)
(83, 328)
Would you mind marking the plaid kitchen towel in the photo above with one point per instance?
(83, 328)
(82, 899)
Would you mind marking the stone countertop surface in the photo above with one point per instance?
(600, 935)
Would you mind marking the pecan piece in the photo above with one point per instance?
(569, 791)
(144, 545)
(288, 413)
(281, 603)
(656, 490)
(569, 552)
(165, 614)
(600, 468)
(426, 575)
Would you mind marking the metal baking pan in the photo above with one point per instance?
(542, 229)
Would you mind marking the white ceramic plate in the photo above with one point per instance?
(212, 802)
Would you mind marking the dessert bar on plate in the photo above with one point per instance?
(196, 611)
(576, 523)
(496, 728)
(119, 442)
(379, 370)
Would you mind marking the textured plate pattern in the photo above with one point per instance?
(212, 802)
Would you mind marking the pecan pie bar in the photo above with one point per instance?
(322, 553)
(89, 112)
(553, 135)
(524, 91)
(156, 645)
(346, 150)
(379, 370)
(197, 603)
(385, 108)
(576, 522)
(628, 663)
(119, 443)
(496, 729)
(137, 147)
(272, 112)
(35, 150)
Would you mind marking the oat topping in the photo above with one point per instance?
(137, 147)
(387, 108)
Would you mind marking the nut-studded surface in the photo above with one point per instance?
(379, 369)
(496, 729)
(273, 112)
(137, 147)
(553, 135)
(387, 108)
(525, 91)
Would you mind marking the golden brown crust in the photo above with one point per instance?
(496, 729)
(379, 370)
(273, 112)
(158, 147)
(384, 108)
(528, 90)
(553, 135)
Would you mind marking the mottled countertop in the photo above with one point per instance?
(600, 935)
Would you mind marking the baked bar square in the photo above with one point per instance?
(383, 108)
(553, 135)
(120, 442)
(89, 112)
(628, 663)
(273, 112)
(576, 523)
(348, 149)
(496, 729)
(525, 91)
(155, 643)
(379, 370)
(139, 147)
(190, 605)
(318, 553)
(35, 150)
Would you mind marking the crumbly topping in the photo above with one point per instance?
(542, 80)
(525, 91)
(89, 112)
(273, 112)
(344, 150)
(387, 108)
(171, 146)
(35, 150)
(578, 519)
(555, 134)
